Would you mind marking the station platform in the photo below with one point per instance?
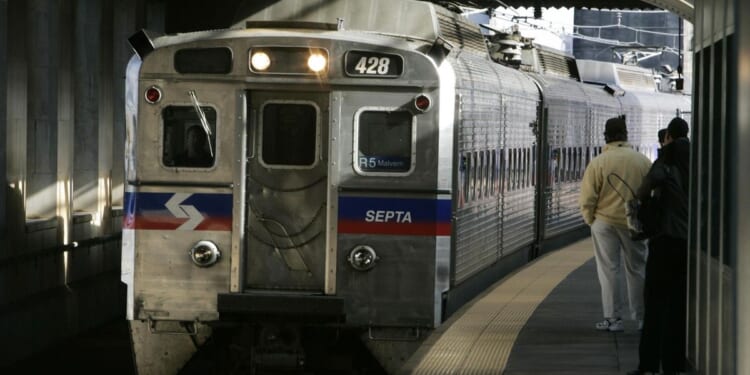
(537, 320)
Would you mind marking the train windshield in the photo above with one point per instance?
(185, 142)
(385, 141)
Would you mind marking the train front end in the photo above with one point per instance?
(293, 186)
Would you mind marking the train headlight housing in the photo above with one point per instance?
(422, 102)
(260, 61)
(152, 95)
(362, 258)
(205, 254)
(317, 62)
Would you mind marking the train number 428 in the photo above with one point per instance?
(373, 65)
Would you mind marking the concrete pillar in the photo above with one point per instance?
(86, 62)
(15, 132)
(3, 115)
(65, 118)
(106, 119)
(740, 236)
(42, 57)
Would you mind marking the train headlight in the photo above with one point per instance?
(260, 61)
(317, 62)
(362, 258)
(205, 254)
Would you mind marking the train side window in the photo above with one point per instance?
(493, 170)
(483, 164)
(185, 142)
(473, 176)
(467, 177)
(384, 142)
(289, 135)
(513, 170)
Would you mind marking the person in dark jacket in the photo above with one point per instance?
(662, 345)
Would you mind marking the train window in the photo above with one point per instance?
(482, 175)
(474, 175)
(533, 165)
(467, 176)
(527, 167)
(486, 172)
(512, 169)
(502, 166)
(384, 140)
(493, 172)
(289, 135)
(185, 142)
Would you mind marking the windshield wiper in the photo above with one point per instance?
(202, 118)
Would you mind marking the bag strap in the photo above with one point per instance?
(632, 192)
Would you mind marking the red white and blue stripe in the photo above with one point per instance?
(178, 211)
(395, 216)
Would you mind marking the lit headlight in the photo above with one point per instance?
(362, 258)
(316, 62)
(205, 254)
(260, 61)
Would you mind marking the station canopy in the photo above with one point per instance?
(596, 4)
(683, 8)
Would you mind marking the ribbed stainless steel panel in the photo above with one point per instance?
(519, 187)
(497, 106)
(647, 112)
(576, 115)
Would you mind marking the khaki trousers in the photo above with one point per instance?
(611, 244)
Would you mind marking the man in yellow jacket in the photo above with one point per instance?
(602, 202)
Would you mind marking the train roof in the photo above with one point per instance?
(617, 76)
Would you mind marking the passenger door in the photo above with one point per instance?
(286, 182)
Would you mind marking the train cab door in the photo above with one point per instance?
(286, 182)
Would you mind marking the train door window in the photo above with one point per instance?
(384, 141)
(185, 142)
(289, 135)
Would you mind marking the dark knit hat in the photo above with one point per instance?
(615, 126)
(677, 128)
(661, 134)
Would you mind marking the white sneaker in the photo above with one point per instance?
(609, 324)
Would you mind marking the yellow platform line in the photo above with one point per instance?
(479, 337)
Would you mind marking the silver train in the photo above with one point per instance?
(352, 169)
